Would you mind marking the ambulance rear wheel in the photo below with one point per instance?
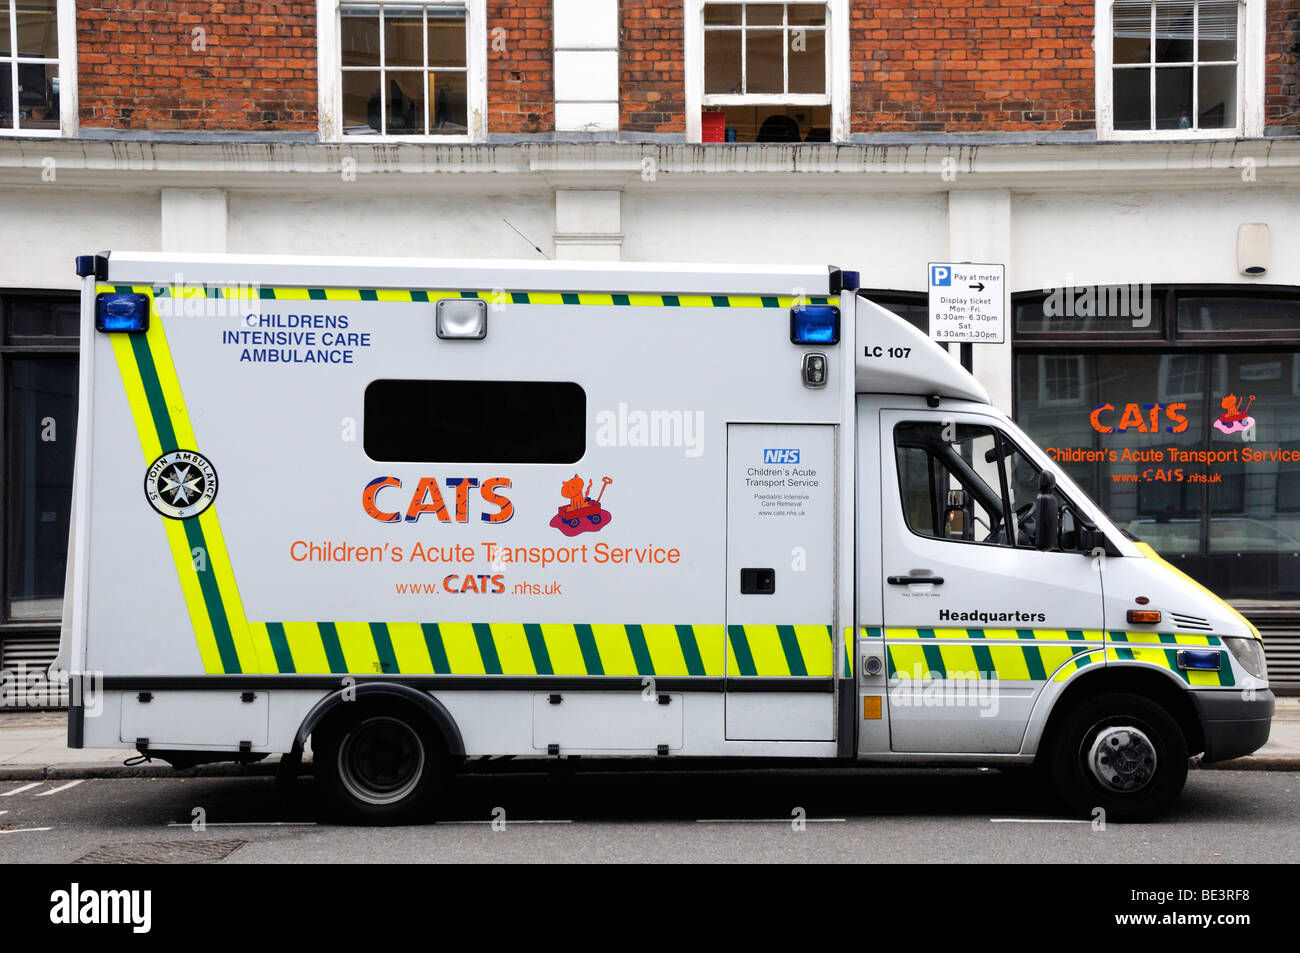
(1119, 752)
(382, 764)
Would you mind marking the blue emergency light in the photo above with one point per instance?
(1205, 661)
(815, 324)
(120, 311)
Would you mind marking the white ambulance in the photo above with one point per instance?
(417, 512)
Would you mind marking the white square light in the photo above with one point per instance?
(462, 318)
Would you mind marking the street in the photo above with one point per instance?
(848, 815)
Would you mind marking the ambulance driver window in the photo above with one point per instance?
(475, 421)
(953, 480)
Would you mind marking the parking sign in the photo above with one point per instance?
(967, 302)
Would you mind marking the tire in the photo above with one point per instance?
(1120, 752)
(380, 764)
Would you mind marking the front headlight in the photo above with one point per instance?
(1249, 653)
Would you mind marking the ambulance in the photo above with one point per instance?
(411, 513)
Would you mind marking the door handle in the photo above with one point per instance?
(915, 580)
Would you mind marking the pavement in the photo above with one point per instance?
(33, 746)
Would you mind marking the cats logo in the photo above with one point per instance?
(427, 500)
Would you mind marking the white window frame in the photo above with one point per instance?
(837, 71)
(1251, 25)
(66, 12)
(1073, 400)
(329, 68)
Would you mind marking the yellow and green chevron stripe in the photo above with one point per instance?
(1035, 654)
(493, 297)
(231, 644)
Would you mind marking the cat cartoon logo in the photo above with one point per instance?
(582, 514)
(1235, 418)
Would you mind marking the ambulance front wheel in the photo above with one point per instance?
(381, 764)
(1121, 753)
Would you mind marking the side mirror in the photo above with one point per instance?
(955, 523)
(1090, 538)
(1047, 522)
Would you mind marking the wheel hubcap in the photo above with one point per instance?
(381, 760)
(1122, 758)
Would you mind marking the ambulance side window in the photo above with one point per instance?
(952, 482)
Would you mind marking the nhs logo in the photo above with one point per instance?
(780, 456)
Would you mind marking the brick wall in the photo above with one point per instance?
(652, 74)
(1282, 64)
(520, 72)
(958, 66)
(138, 68)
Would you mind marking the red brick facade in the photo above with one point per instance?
(520, 67)
(254, 67)
(652, 71)
(954, 66)
(1282, 64)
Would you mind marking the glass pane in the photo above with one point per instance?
(1132, 27)
(1238, 314)
(38, 96)
(806, 14)
(449, 110)
(44, 318)
(1218, 31)
(777, 123)
(1254, 533)
(1110, 308)
(359, 36)
(1132, 98)
(764, 62)
(763, 14)
(38, 28)
(403, 37)
(1174, 97)
(405, 112)
(807, 61)
(1217, 93)
(446, 38)
(722, 61)
(6, 46)
(1174, 26)
(361, 109)
(948, 489)
(6, 96)
(500, 421)
(726, 13)
(42, 394)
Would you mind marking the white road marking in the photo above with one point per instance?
(61, 787)
(769, 820)
(1037, 820)
(25, 787)
(508, 823)
(27, 830)
(244, 824)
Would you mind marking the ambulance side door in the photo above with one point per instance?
(976, 620)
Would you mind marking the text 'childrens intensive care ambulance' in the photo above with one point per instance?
(417, 512)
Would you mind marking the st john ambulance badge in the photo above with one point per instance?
(181, 484)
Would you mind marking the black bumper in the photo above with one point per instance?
(1233, 725)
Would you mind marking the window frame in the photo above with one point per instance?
(837, 71)
(329, 63)
(65, 12)
(1251, 25)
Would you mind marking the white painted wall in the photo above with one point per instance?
(46, 228)
(585, 41)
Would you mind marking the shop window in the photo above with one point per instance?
(29, 66)
(1191, 444)
(404, 69)
(766, 70)
(40, 392)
